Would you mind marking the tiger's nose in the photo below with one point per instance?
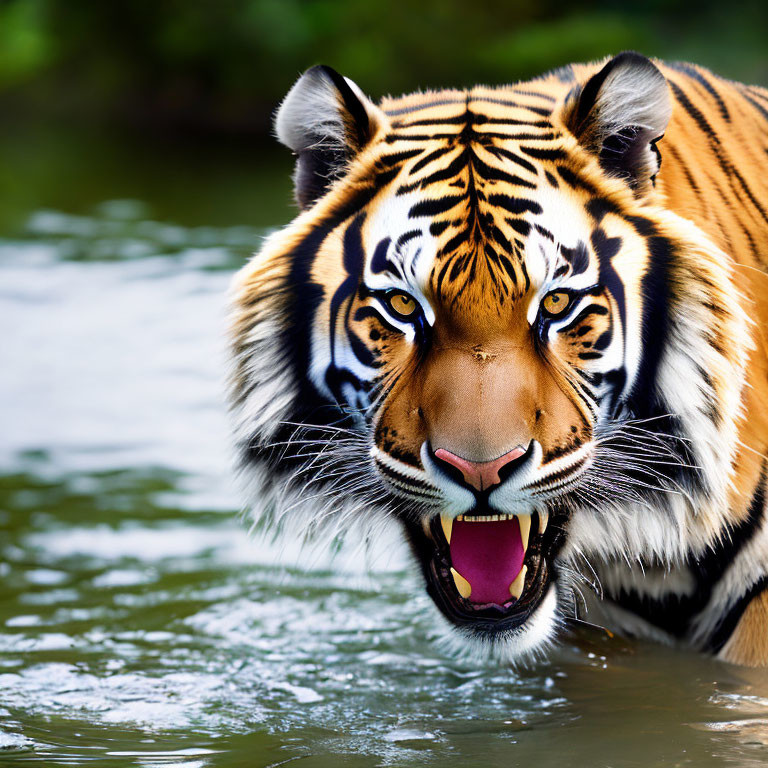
(480, 474)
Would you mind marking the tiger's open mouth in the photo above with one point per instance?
(489, 572)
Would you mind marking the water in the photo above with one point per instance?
(141, 626)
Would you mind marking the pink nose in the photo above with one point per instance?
(479, 474)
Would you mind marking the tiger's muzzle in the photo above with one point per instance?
(489, 556)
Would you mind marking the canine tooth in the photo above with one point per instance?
(460, 518)
(543, 520)
(447, 524)
(524, 522)
(516, 587)
(465, 590)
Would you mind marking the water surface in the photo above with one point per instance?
(140, 625)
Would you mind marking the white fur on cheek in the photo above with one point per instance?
(416, 258)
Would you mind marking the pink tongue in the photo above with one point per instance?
(489, 556)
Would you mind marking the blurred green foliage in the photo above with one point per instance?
(226, 63)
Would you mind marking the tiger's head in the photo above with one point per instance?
(484, 325)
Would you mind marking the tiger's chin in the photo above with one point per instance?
(494, 578)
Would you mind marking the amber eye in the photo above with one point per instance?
(402, 304)
(556, 303)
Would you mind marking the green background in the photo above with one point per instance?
(224, 65)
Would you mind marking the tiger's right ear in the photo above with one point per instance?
(621, 112)
(325, 120)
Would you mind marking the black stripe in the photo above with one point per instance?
(682, 163)
(435, 207)
(427, 159)
(361, 351)
(306, 297)
(398, 157)
(473, 118)
(453, 120)
(693, 73)
(452, 169)
(572, 180)
(525, 275)
(726, 166)
(692, 111)
(757, 92)
(512, 157)
(599, 207)
(489, 173)
(588, 311)
(731, 619)
(543, 111)
(363, 313)
(739, 538)
(514, 205)
(551, 136)
(543, 154)
(759, 107)
(393, 137)
(655, 325)
(674, 613)
(558, 476)
(520, 225)
(577, 257)
(353, 260)
(535, 94)
(436, 228)
(380, 261)
(749, 193)
(418, 107)
(440, 277)
(406, 237)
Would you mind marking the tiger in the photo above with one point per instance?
(502, 326)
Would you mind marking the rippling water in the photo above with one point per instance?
(139, 623)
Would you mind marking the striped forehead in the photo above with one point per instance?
(479, 201)
(404, 252)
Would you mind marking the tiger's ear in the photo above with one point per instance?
(621, 113)
(325, 120)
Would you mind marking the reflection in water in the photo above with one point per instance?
(139, 625)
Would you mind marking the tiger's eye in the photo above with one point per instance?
(556, 303)
(402, 304)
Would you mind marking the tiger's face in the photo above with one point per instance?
(479, 339)
(466, 315)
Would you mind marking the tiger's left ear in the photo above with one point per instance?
(621, 113)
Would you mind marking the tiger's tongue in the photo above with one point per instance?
(489, 555)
